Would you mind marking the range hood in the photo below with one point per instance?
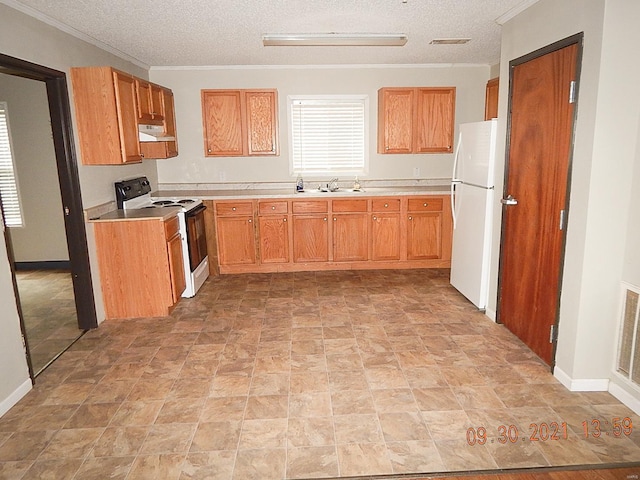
(153, 133)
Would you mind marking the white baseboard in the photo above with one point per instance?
(491, 314)
(583, 384)
(625, 397)
(16, 395)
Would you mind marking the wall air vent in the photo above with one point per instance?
(629, 347)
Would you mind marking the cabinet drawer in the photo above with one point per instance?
(425, 204)
(267, 208)
(385, 205)
(349, 205)
(171, 227)
(234, 208)
(310, 207)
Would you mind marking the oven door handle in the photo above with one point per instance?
(196, 211)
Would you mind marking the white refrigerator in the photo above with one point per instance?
(472, 193)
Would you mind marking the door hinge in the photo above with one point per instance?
(553, 334)
(572, 92)
(562, 219)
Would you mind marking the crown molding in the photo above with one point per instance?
(509, 14)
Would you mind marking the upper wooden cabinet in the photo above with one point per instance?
(108, 112)
(106, 115)
(150, 103)
(416, 120)
(491, 99)
(240, 122)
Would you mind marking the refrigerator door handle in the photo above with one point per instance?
(454, 176)
(453, 201)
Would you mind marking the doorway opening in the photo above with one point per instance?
(54, 293)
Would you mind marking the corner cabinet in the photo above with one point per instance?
(416, 120)
(109, 106)
(155, 284)
(240, 122)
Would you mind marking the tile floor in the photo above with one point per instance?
(306, 375)
(49, 312)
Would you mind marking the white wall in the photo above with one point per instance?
(29, 39)
(191, 166)
(604, 152)
(42, 236)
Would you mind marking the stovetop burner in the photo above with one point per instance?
(162, 202)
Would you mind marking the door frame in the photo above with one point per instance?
(578, 39)
(67, 167)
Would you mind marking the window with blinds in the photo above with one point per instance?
(329, 134)
(8, 185)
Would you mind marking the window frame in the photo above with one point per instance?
(364, 99)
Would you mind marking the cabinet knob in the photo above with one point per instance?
(386, 205)
(410, 217)
(284, 219)
(273, 207)
(325, 219)
(233, 208)
(425, 204)
(208, 150)
(375, 218)
(250, 220)
(142, 155)
(335, 219)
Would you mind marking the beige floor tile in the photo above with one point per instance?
(309, 382)
(223, 408)
(414, 456)
(137, 413)
(180, 410)
(222, 435)
(73, 443)
(403, 427)
(230, 385)
(120, 442)
(263, 464)
(116, 468)
(269, 384)
(310, 432)
(363, 459)
(60, 469)
(357, 429)
(216, 465)
(352, 402)
(92, 415)
(310, 404)
(269, 433)
(165, 466)
(24, 445)
(458, 455)
(394, 400)
(267, 406)
(312, 462)
(168, 438)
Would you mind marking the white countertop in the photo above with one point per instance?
(163, 214)
(247, 194)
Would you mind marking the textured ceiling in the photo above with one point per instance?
(213, 32)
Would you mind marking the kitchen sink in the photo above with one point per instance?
(339, 191)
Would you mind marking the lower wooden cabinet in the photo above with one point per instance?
(270, 235)
(385, 229)
(274, 231)
(141, 267)
(236, 235)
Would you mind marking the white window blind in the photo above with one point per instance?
(8, 184)
(329, 134)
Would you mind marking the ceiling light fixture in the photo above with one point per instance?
(449, 41)
(334, 39)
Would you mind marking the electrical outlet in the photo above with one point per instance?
(416, 172)
(222, 176)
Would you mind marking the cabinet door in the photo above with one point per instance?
(395, 120)
(310, 238)
(385, 236)
(236, 240)
(262, 122)
(170, 122)
(143, 93)
(222, 117)
(176, 266)
(125, 90)
(434, 120)
(424, 236)
(491, 99)
(274, 239)
(157, 103)
(350, 237)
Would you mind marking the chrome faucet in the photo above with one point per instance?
(333, 184)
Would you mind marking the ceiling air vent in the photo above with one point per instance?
(449, 41)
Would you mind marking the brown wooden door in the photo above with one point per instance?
(310, 238)
(350, 237)
(222, 117)
(541, 126)
(125, 90)
(395, 120)
(262, 122)
(435, 114)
